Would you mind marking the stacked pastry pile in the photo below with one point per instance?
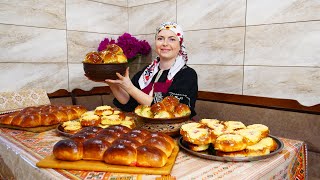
(228, 138)
(117, 145)
(43, 115)
(169, 107)
(102, 116)
(113, 54)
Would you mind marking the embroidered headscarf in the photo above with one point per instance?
(181, 59)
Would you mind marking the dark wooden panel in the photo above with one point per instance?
(274, 103)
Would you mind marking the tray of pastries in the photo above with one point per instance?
(116, 148)
(228, 140)
(101, 116)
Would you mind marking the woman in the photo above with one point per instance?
(167, 75)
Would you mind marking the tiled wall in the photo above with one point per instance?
(253, 47)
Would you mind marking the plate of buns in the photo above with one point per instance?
(102, 116)
(228, 140)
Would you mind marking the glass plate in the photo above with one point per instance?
(210, 153)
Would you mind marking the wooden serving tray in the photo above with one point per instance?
(31, 129)
(52, 162)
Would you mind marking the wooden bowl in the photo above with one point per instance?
(101, 72)
(170, 126)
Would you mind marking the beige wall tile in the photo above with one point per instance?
(48, 76)
(44, 13)
(114, 2)
(224, 79)
(291, 44)
(145, 19)
(302, 84)
(30, 44)
(141, 2)
(92, 16)
(78, 80)
(216, 46)
(81, 43)
(274, 11)
(204, 14)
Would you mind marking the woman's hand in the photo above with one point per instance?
(124, 81)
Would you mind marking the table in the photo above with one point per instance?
(21, 150)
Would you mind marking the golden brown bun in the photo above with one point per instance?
(233, 125)
(230, 143)
(252, 136)
(159, 143)
(156, 108)
(71, 127)
(168, 138)
(198, 136)
(270, 143)
(93, 57)
(68, 150)
(182, 110)
(94, 148)
(195, 147)
(263, 128)
(257, 150)
(170, 103)
(121, 154)
(149, 156)
(100, 109)
(90, 120)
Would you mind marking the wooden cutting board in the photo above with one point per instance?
(52, 162)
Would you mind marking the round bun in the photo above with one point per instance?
(230, 143)
(195, 147)
(90, 120)
(68, 150)
(93, 57)
(149, 156)
(159, 143)
(182, 110)
(94, 148)
(170, 103)
(263, 128)
(252, 136)
(121, 154)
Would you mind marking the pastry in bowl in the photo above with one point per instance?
(99, 66)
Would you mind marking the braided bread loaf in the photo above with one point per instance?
(117, 145)
(44, 115)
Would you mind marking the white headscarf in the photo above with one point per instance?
(181, 59)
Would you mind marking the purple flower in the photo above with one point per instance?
(145, 47)
(103, 44)
(130, 45)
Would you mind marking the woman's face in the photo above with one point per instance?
(167, 45)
